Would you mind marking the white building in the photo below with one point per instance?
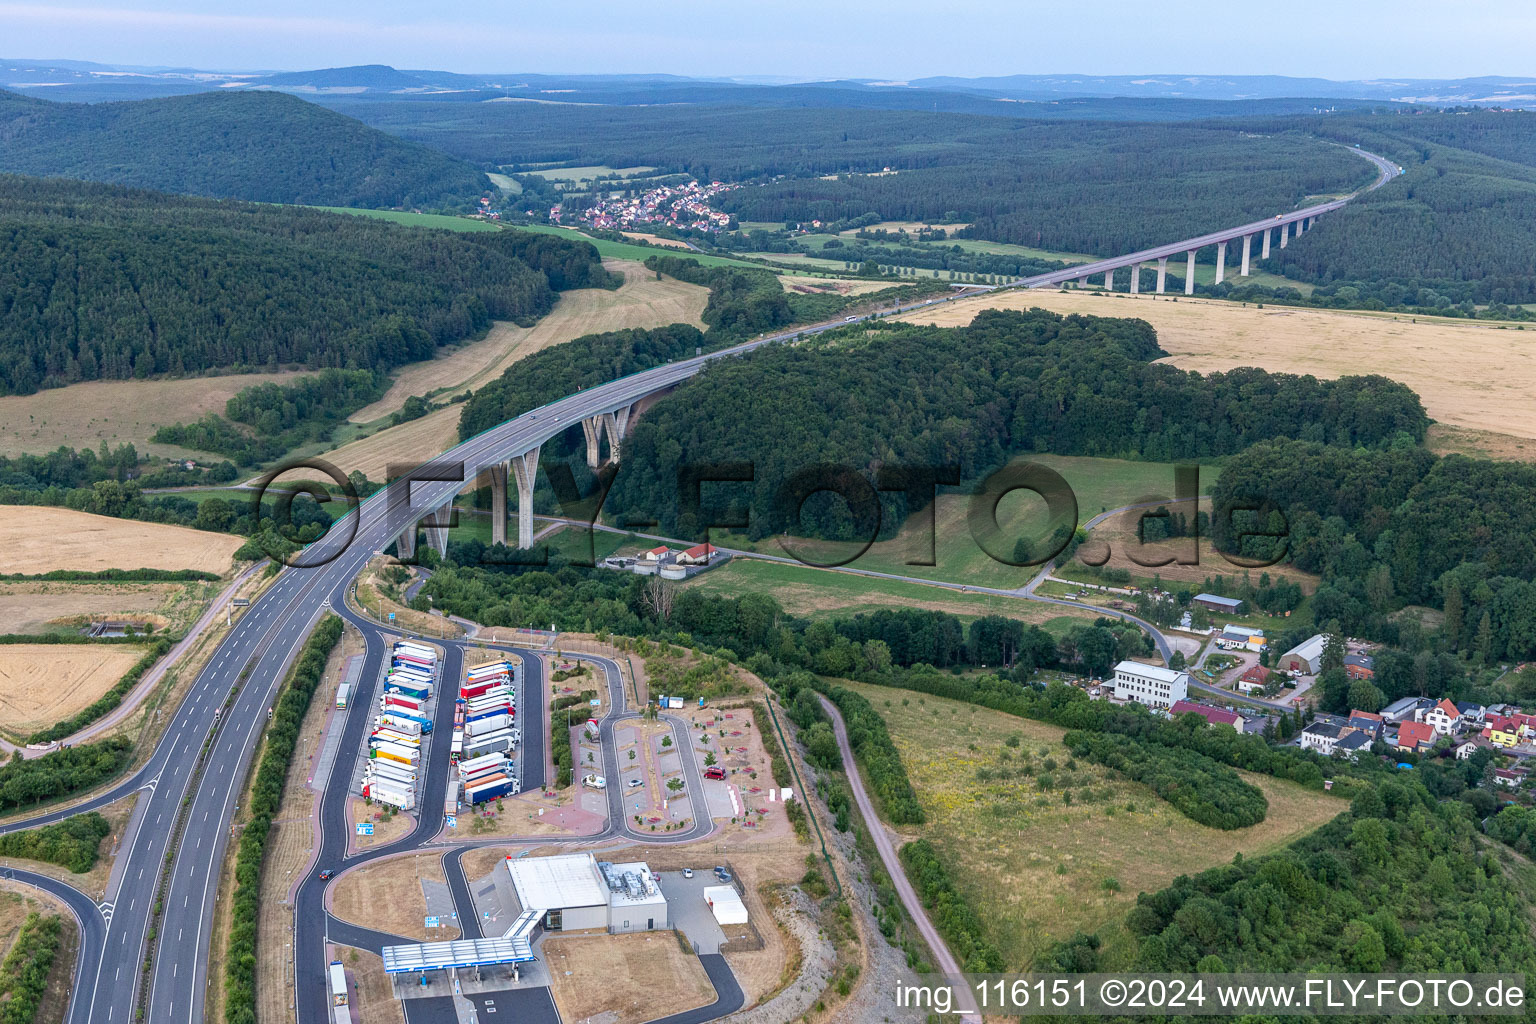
(1306, 657)
(1321, 737)
(1149, 684)
(577, 892)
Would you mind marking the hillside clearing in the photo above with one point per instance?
(39, 539)
(1037, 869)
(41, 684)
(1472, 374)
(641, 301)
(116, 411)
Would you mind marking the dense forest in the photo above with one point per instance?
(1088, 186)
(1457, 227)
(1009, 383)
(98, 281)
(1396, 525)
(1398, 884)
(264, 146)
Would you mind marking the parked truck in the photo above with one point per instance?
(505, 786)
(385, 793)
(487, 724)
(491, 743)
(342, 693)
(422, 722)
(397, 753)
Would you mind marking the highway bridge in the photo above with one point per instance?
(185, 801)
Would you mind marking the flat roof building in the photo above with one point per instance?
(577, 892)
(1150, 684)
(1217, 603)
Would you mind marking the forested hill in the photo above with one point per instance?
(973, 396)
(263, 146)
(100, 281)
(1458, 227)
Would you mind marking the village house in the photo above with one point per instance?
(1150, 684)
(1444, 718)
(1408, 709)
(1212, 715)
(1367, 721)
(1415, 737)
(699, 554)
(1254, 680)
(1321, 737)
(1359, 666)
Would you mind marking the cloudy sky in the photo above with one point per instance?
(893, 39)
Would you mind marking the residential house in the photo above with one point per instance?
(656, 556)
(1321, 737)
(1501, 731)
(1367, 721)
(1359, 666)
(1255, 679)
(1471, 713)
(1415, 737)
(1444, 717)
(1467, 748)
(1240, 637)
(1352, 744)
(1306, 657)
(1511, 777)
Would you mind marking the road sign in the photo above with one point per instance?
(391, 616)
(451, 820)
(431, 921)
(595, 702)
(241, 602)
(365, 828)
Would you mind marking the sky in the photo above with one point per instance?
(809, 39)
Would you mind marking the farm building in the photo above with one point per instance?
(1306, 657)
(699, 554)
(1213, 716)
(1217, 603)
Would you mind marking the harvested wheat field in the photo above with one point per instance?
(115, 411)
(38, 539)
(412, 442)
(646, 236)
(41, 684)
(641, 301)
(622, 979)
(1473, 375)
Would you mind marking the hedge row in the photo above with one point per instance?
(955, 919)
(61, 773)
(71, 843)
(24, 971)
(877, 755)
(1198, 787)
(765, 732)
(266, 798)
(111, 576)
(108, 701)
(560, 732)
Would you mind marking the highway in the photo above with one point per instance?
(226, 707)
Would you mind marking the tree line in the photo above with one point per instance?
(71, 843)
(1197, 786)
(64, 772)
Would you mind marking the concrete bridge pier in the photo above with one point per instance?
(1284, 232)
(1265, 254)
(405, 544)
(1162, 273)
(524, 468)
(498, 475)
(1189, 274)
(1135, 278)
(436, 525)
(1247, 247)
(592, 429)
(617, 425)
(1221, 261)
(1109, 280)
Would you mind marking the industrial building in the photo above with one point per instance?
(1306, 657)
(1150, 684)
(577, 892)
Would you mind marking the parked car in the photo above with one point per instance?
(687, 872)
(635, 783)
(722, 874)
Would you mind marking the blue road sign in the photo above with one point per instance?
(451, 821)
(365, 828)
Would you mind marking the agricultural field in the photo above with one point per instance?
(823, 593)
(582, 175)
(642, 301)
(645, 236)
(627, 250)
(117, 412)
(41, 684)
(65, 607)
(1488, 389)
(622, 979)
(39, 539)
(1098, 484)
(830, 285)
(419, 220)
(1038, 868)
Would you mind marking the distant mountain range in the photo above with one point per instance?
(85, 81)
